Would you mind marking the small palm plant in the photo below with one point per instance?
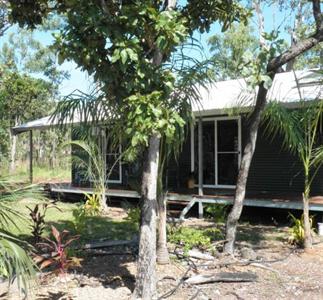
(302, 130)
(93, 164)
(15, 263)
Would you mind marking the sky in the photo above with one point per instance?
(80, 80)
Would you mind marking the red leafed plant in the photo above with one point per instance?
(55, 252)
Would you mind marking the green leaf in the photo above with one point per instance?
(132, 54)
(115, 56)
(124, 56)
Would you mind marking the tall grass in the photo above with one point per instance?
(41, 173)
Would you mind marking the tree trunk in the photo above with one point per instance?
(103, 178)
(52, 158)
(272, 68)
(306, 214)
(249, 149)
(261, 25)
(307, 224)
(162, 251)
(146, 270)
(294, 32)
(13, 150)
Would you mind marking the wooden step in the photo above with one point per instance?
(177, 202)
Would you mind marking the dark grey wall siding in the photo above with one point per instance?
(273, 169)
(179, 168)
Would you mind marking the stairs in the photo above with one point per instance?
(175, 208)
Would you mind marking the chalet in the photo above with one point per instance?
(207, 167)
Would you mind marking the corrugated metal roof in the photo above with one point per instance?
(224, 95)
(229, 94)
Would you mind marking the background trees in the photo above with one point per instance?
(229, 50)
(21, 98)
(29, 89)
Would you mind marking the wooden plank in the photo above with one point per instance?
(268, 203)
(109, 192)
(187, 208)
(222, 277)
(179, 197)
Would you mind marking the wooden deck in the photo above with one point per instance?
(292, 202)
(63, 188)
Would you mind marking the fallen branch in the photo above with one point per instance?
(95, 252)
(222, 277)
(257, 265)
(198, 255)
(180, 282)
(110, 243)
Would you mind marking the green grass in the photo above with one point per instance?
(95, 228)
(40, 173)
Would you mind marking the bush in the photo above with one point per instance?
(190, 238)
(37, 215)
(92, 205)
(133, 213)
(297, 234)
(79, 215)
(217, 212)
(56, 253)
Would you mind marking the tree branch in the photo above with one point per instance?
(317, 15)
(302, 46)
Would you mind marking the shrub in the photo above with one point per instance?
(189, 238)
(133, 213)
(37, 215)
(56, 252)
(79, 215)
(217, 212)
(92, 205)
(297, 234)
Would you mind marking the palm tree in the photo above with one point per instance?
(15, 263)
(93, 164)
(300, 129)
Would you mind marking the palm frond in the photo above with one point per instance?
(80, 107)
(280, 120)
(14, 260)
(15, 263)
(317, 157)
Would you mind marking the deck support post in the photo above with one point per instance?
(104, 153)
(200, 156)
(200, 209)
(31, 156)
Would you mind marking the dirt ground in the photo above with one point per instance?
(283, 272)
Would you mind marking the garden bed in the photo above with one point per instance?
(282, 271)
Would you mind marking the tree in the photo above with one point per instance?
(272, 64)
(4, 22)
(300, 129)
(21, 52)
(126, 47)
(22, 98)
(228, 50)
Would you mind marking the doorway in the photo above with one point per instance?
(221, 144)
